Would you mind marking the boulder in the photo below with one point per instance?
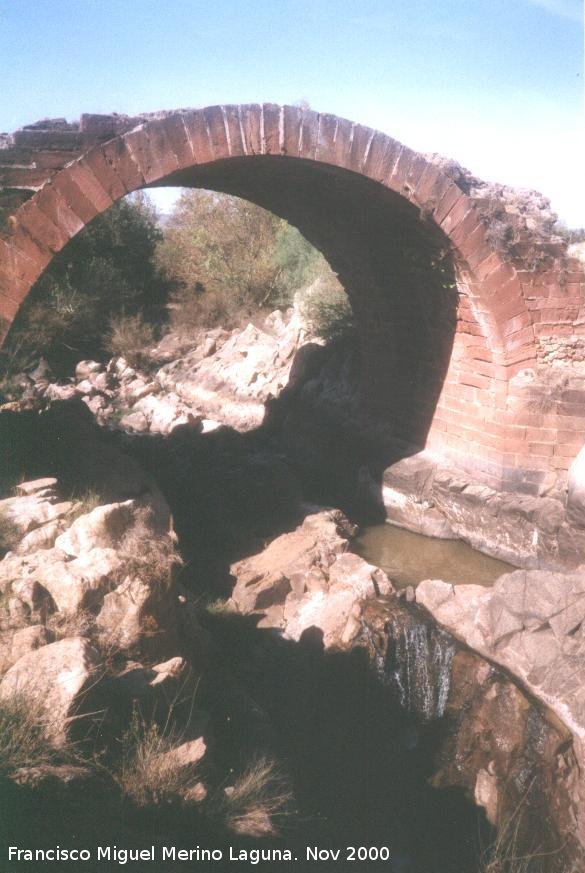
(81, 584)
(307, 579)
(188, 756)
(60, 392)
(139, 680)
(336, 613)
(139, 388)
(102, 528)
(139, 619)
(86, 388)
(162, 413)
(15, 568)
(37, 600)
(134, 421)
(85, 369)
(41, 487)
(96, 404)
(31, 510)
(42, 537)
(101, 381)
(28, 639)
(171, 347)
(55, 678)
(265, 579)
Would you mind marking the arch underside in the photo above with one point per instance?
(439, 346)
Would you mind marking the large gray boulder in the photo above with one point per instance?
(140, 619)
(307, 579)
(81, 583)
(55, 679)
(102, 528)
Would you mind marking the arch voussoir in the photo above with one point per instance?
(382, 156)
(272, 133)
(216, 132)
(234, 131)
(198, 134)
(117, 155)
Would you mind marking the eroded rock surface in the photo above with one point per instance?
(530, 623)
(308, 580)
(54, 678)
(421, 494)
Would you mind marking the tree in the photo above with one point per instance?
(108, 270)
(230, 259)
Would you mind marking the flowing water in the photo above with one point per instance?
(418, 665)
(408, 558)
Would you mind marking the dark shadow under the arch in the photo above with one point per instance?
(396, 265)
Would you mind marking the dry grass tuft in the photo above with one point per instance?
(259, 795)
(85, 503)
(146, 772)
(221, 607)
(23, 736)
(77, 624)
(510, 853)
(130, 337)
(149, 556)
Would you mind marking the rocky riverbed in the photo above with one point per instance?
(160, 549)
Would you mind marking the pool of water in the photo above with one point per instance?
(408, 558)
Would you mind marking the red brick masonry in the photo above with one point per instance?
(515, 308)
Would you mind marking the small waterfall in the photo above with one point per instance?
(414, 659)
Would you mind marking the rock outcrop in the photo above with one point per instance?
(530, 623)
(100, 583)
(307, 580)
(57, 679)
(221, 377)
(421, 494)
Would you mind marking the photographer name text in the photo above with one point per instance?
(172, 853)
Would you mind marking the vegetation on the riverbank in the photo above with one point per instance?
(107, 272)
(125, 279)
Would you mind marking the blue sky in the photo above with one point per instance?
(496, 84)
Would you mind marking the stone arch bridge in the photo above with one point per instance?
(463, 294)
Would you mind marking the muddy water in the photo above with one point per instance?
(408, 558)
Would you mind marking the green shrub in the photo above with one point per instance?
(327, 310)
(107, 270)
(230, 259)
